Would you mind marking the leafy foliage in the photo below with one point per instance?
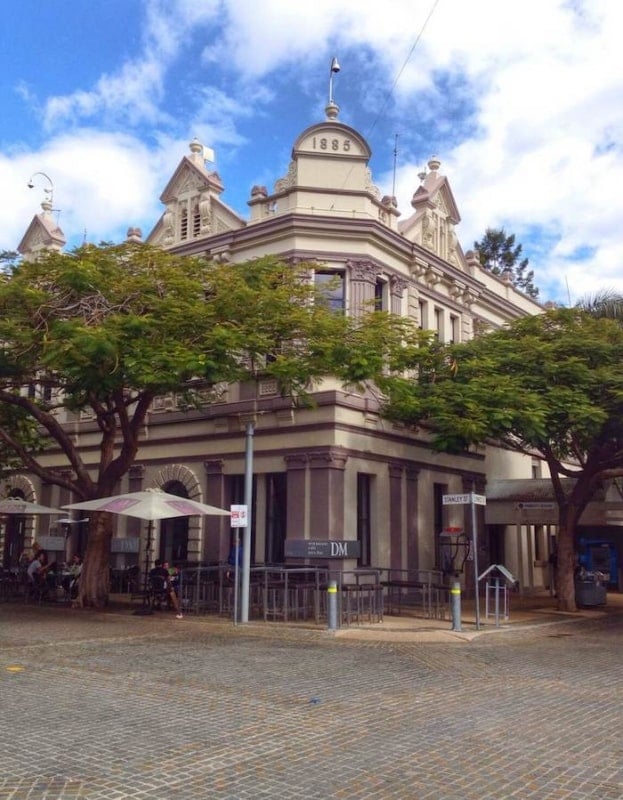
(106, 329)
(548, 385)
(499, 254)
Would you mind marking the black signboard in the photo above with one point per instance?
(313, 548)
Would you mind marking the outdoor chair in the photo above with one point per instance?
(158, 591)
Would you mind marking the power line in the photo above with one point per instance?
(404, 66)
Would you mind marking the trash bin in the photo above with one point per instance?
(590, 591)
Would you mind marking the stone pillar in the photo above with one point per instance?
(136, 476)
(363, 275)
(395, 515)
(326, 500)
(413, 555)
(397, 287)
(296, 466)
(216, 540)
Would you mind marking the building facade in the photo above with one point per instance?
(337, 470)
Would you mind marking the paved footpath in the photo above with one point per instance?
(105, 706)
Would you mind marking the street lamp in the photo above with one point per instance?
(48, 190)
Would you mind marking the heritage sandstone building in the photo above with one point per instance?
(337, 471)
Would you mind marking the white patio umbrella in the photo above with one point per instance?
(15, 505)
(150, 504)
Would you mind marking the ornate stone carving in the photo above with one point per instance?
(205, 214)
(397, 286)
(364, 271)
(168, 226)
(288, 180)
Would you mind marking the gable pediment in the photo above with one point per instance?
(187, 179)
(41, 234)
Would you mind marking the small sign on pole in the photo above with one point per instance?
(239, 516)
(464, 499)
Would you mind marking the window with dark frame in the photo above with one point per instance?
(364, 533)
(331, 284)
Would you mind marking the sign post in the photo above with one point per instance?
(473, 500)
(238, 519)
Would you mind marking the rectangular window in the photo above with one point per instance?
(423, 309)
(454, 329)
(439, 324)
(364, 533)
(276, 516)
(381, 295)
(331, 285)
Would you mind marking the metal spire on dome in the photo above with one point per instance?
(332, 108)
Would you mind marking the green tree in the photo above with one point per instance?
(550, 385)
(499, 254)
(605, 303)
(8, 259)
(106, 329)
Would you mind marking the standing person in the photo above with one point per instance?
(161, 575)
(235, 557)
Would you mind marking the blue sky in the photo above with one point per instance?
(522, 102)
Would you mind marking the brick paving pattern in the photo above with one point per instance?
(111, 706)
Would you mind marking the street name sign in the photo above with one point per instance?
(464, 499)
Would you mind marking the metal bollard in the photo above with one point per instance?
(332, 606)
(455, 605)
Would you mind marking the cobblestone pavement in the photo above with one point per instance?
(111, 706)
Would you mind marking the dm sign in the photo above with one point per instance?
(313, 548)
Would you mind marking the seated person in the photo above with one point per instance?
(70, 581)
(37, 572)
(162, 575)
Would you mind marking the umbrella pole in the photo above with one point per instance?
(147, 552)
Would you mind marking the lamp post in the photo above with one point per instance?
(49, 191)
(248, 501)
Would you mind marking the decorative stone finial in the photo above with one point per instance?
(196, 147)
(434, 164)
(134, 235)
(332, 110)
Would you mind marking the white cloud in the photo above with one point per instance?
(541, 151)
(102, 183)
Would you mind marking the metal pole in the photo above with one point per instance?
(236, 572)
(475, 543)
(246, 541)
(455, 603)
(332, 605)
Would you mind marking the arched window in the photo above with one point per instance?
(14, 535)
(196, 222)
(174, 531)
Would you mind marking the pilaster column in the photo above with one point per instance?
(363, 275)
(326, 500)
(395, 515)
(296, 471)
(413, 555)
(216, 540)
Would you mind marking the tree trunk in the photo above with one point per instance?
(565, 568)
(94, 584)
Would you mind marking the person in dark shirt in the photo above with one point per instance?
(161, 574)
